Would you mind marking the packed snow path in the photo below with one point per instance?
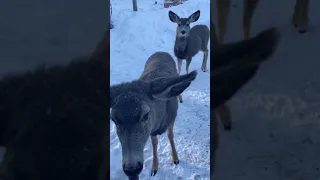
(276, 117)
(136, 36)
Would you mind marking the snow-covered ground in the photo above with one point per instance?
(136, 36)
(276, 117)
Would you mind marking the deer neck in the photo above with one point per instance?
(180, 47)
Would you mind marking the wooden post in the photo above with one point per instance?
(134, 3)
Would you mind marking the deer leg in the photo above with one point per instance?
(174, 153)
(179, 66)
(249, 7)
(204, 61)
(155, 162)
(301, 15)
(180, 96)
(225, 116)
(296, 10)
(188, 64)
(222, 13)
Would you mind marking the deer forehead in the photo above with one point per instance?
(129, 105)
(184, 21)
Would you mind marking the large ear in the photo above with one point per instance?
(236, 64)
(228, 83)
(194, 17)
(174, 17)
(167, 88)
(235, 56)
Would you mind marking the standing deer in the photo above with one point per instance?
(147, 107)
(190, 41)
(300, 17)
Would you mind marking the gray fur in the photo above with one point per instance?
(146, 106)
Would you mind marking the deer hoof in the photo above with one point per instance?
(204, 70)
(227, 127)
(302, 31)
(154, 172)
(176, 162)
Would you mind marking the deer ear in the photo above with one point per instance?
(167, 88)
(173, 17)
(194, 17)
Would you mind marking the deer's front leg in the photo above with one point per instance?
(174, 153)
(300, 18)
(249, 8)
(204, 61)
(225, 116)
(179, 65)
(155, 161)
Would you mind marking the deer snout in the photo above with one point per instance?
(132, 170)
(183, 32)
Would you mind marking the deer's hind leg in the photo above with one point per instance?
(188, 61)
(155, 162)
(204, 61)
(300, 17)
(249, 7)
(224, 113)
(222, 13)
(180, 96)
(174, 153)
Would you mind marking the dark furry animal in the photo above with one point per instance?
(237, 63)
(233, 65)
(54, 121)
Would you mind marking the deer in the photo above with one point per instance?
(300, 16)
(53, 120)
(189, 41)
(233, 66)
(147, 107)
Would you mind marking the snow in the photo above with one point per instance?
(136, 36)
(276, 117)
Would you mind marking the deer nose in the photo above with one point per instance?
(183, 32)
(132, 170)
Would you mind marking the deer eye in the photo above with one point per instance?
(145, 117)
(179, 24)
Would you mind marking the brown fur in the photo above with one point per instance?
(54, 121)
(300, 17)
